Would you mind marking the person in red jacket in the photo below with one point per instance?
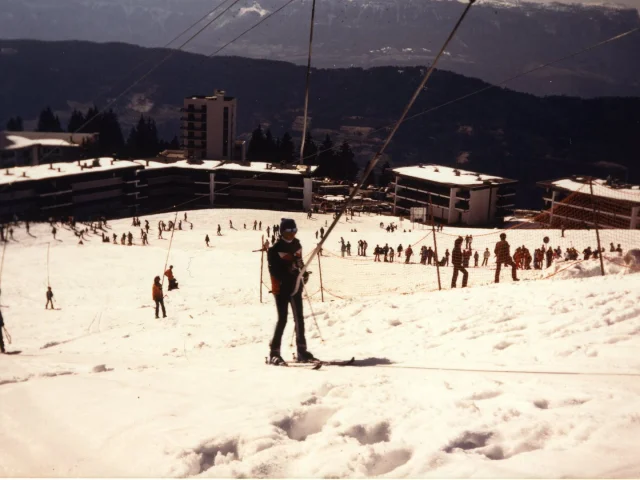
(503, 256)
(158, 296)
(285, 263)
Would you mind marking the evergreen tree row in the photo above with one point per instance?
(142, 141)
(335, 163)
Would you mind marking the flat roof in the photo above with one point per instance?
(447, 176)
(40, 172)
(627, 193)
(18, 140)
(227, 165)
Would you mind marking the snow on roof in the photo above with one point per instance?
(446, 175)
(600, 189)
(39, 172)
(17, 142)
(222, 165)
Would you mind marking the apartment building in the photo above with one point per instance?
(452, 195)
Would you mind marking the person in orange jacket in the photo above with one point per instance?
(173, 284)
(158, 296)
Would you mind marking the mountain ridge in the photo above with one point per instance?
(495, 41)
(501, 131)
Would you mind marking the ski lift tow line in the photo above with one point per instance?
(377, 156)
(306, 92)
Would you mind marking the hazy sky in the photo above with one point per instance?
(630, 3)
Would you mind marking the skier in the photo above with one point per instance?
(476, 257)
(503, 256)
(1, 333)
(219, 232)
(485, 257)
(456, 259)
(206, 239)
(285, 262)
(158, 297)
(49, 298)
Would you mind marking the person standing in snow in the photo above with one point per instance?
(456, 259)
(485, 257)
(1, 334)
(173, 284)
(285, 262)
(49, 298)
(503, 256)
(206, 239)
(158, 296)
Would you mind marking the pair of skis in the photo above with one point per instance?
(315, 364)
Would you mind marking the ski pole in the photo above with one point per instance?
(313, 315)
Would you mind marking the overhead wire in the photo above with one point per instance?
(170, 54)
(426, 111)
(395, 128)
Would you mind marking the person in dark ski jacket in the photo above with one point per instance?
(49, 298)
(1, 334)
(503, 255)
(285, 262)
(456, 259)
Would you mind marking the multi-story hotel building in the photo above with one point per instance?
(208, 125)
(451, 195)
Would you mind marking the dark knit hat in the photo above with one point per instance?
(288, 225)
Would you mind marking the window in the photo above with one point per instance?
(225, 132)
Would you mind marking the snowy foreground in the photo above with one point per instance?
(529, 379)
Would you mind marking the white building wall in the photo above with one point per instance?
(454, 215)
(307, 194)
(212, 188)
(479, 207)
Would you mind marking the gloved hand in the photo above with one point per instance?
(275, 286)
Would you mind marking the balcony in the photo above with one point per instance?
(462, 205)
(463, 194)
(190, 136)
(506, 191)
(192, 109)
(200, 118)
(193, 128)
(504, 202)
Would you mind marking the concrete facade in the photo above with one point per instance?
(208, 125)
(452, 196)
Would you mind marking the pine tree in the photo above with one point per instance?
(287, 148)
(15, 124)
(386, 175)
(326, 159)
(310, 153)
(76, 122)
(348, 169)
(48, 122)
(143, 139)
(256, 149)
(111, 139)
(270, 147)
(93, 119)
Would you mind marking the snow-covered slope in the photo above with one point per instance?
(529, 379)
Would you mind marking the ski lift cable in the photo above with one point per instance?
(377, 156)
(170, 54)
(308, 79)
(504, 82)
(249, 29)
